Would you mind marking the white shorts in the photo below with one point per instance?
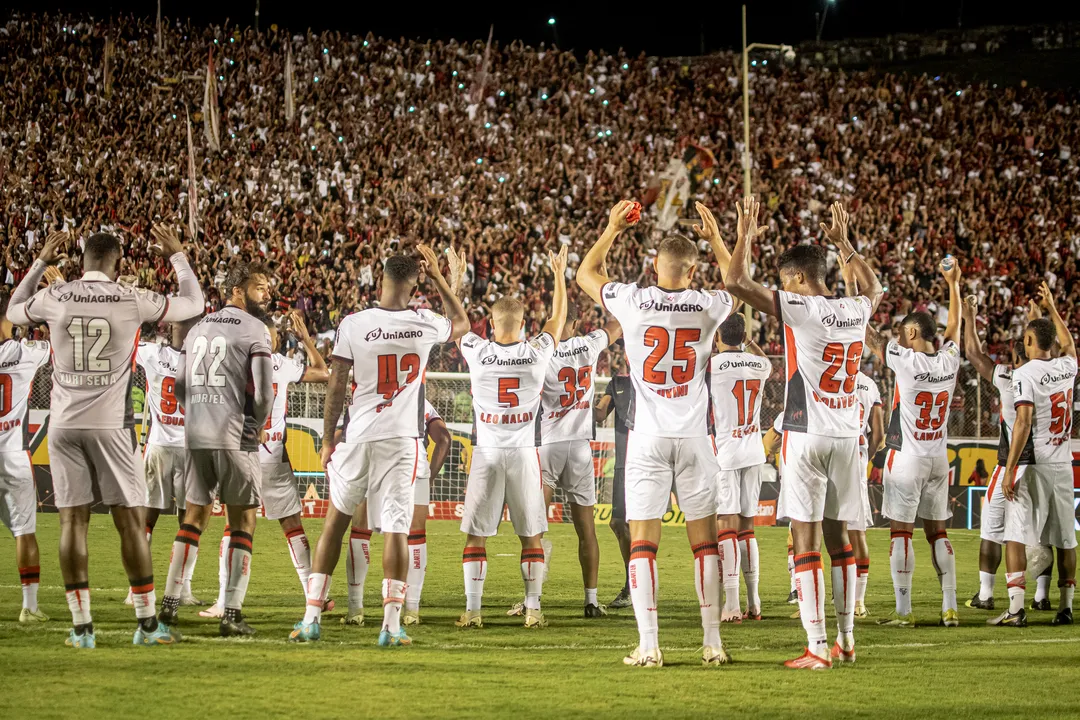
(18, 496)
(867, 518)
(655, 464)
(820, 478)
(737, 491)
(421, 496)
(1042, 511)
(167, 471)
(280, 496)
(384, 470)
(505, 475)
(569, 465)
(915, 487)
(992, 519)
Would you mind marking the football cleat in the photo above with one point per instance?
(470, 619)
(410, 617)
(861, 611)
(1018, 619)
(793, 597)
(595, 611)
(840, 656)
(32, 616)
(518, 608)
(389, 639)
(949, 618)
(214, 611)
(809, 661)
(715, 656)
(534, 619)
(752, 613)
(304, 632)
(731, 616)
(235, 628)
(895, 620)
(162, 635)
(622, 600)
(352, 618)
(796, 615)
(167, 616)
(978, 603)
(1043, 605)
(1063, 617)
(86, 640)
(649, 659)
(189, 599)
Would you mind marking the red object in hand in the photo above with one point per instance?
(635, 213)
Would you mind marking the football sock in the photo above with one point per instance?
(902, 565)
(941, 554)
(1067, 588)
(300, 552)
(1017, 586)
(862, 579)
(843, 594)
(1042, 588)
(532, 573)
(184, 552)
(30, 577)
(986, 585)
(393, 597)
(78, 600)
(644, 585)
(707, 584)
(317, 586)
(144, 600)
(727, 540)
(474, 566)
(239, 569)
(358, 560)
(810, 582)
(417, 569)
(590, 597)
(223, 567)
(748, 558)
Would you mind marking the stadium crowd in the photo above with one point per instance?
(395, 142)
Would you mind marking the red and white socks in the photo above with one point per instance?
(748, 558)
(185, 551)
(300, 553)
(843, 592)
(644, 586)
(707, 584)
(78, 600)
(318, 586)
(532, 574)
(358, 562)
(393, 593)
(810, 584)
(902, 565)
(727, 542)
(1017, 586)
(30, 578)
(143, 597)
(945, 564)
(239, 573)
(417, 569)
(862, 578)
(474, 568)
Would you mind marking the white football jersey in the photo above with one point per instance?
(922, 397)
(19, 362)
(823, 341)
(738, 381)
(1003, 378)
(166, 416)
(507, 382)
(668, 336)
(389, 352)
(1047, 385)
(566, 407)
(286, 371)
(869, 398)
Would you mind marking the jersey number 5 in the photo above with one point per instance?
(389, 384)
(659, 339)
(1061, 413)
(840, 357)
(576, 384)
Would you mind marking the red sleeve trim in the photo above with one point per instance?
(1021, 403)
(260, 354)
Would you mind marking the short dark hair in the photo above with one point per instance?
(572, 313)
(924, 321)
(100, 245)
(810, 260)
(678, 248)
(240, 275)
(403, 269)
(733, 330)
(1044, 331)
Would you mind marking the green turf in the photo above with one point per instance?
(572, 668)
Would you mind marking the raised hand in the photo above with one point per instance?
(53, 275)
(167, 241)
(430, 263)
(847, 271)
(621, 216)
(457, 263)
(51, 250)
(1033, 311)
(971, 304)
(950, 270)
(747, 211)
(558, 262)
(837, 233)
(1046, 299)
(708, 230)
(299, 327)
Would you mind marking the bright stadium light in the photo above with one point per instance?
(551, 21)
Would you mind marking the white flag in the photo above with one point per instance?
(193, 201)
(210, 107)
(290, 101)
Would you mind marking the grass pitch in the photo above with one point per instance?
(571, 669)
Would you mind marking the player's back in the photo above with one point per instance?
(19, 362)
(823, 345)
(160, 364)
(566, 407)
(220, 402)
(921, 398)
(738, 379)
(1047, 386)
(507, 384)
(668, 338)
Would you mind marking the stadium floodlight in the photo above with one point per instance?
(551, 21)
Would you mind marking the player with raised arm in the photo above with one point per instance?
(820, 492)
(386, 348)
(94, 325)
(668, 332)
(916, 481)
(224, 382)
(19, 363)
(738, 373)
(507, 377)
(1038, 472)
